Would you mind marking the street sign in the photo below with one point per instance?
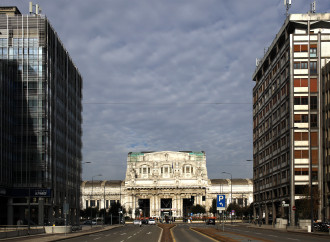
(221, 201)
(285, 205)
(293, 208)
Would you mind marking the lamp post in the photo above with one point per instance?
(231, 192)
(92, 197)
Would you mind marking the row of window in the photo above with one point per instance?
(166, 169)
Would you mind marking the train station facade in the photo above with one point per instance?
(165, 183)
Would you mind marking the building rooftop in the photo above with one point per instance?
(9, 10)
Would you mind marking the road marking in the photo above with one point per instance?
(123, 234)
(129, 237)
(272, 235)
(149, 233)
(292, 239)
(97, 238)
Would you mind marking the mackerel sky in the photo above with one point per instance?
(167, 75)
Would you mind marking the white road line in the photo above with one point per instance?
(97, 238)
(129, 237)
(272, 235)
(123, 234)
(149, 233)
(292, 239)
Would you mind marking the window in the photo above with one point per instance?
(313, 67)
(313, 120)
(92, 203)
(301, 118)
(313, 50)
(107, 203)
(300, 100)
(313, 102)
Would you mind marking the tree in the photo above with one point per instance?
(90, 211)
(197, 209)
(236, 207)
(213, 208)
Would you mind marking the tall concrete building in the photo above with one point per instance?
(40, 117)
(288, 129)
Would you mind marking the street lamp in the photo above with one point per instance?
(231, 191)
(92, 197)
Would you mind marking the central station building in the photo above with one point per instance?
(165, 183)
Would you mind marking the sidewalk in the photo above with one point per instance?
(56, 237)
(289, 229)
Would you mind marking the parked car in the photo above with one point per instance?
(210, 221)
(151, 221)
(136, 222)
(321, 226)
(144, 221)
(90, 222)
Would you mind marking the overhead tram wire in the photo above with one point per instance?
(167, 104)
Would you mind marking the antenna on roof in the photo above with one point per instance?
(287, 3)
(38, 9)
(313, 7)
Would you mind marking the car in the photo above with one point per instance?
(90, 222)
(210, 221)
(144, 221)
(151, 221)
(136, 222)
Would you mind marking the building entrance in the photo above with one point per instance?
(144, 205)
(166, 208)
(187, 203)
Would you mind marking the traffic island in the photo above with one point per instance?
(224, 236)
(166, 234)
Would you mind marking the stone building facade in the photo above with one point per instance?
(165, 183)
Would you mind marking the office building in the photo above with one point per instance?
(40, 122)
(288, 121)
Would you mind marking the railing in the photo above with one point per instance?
(8, 231)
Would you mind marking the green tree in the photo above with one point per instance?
(197, 209)
(213, 208)
(90, 211)
(236, 207)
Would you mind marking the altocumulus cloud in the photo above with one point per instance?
(167, 75)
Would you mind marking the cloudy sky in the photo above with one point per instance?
(167, 75)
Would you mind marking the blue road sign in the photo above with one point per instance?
(221, 201)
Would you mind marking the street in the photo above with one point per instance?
(183, 233)
(125, 233)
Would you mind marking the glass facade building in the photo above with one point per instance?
(41, 148)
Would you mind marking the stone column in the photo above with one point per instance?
(274, 213)
(266, 213)
(41, 211)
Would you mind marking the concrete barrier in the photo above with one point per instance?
(57, 229)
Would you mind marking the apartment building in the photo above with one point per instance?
(287, 120)
(40, 112)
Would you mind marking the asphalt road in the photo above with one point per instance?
(274, 235)
(182, 233)
(131, 233)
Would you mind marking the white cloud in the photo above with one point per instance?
(159, 61)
